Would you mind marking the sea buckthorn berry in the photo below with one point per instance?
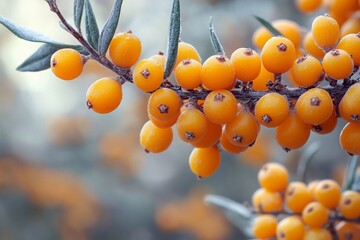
(166, 123)
(328, 126)
(293, 133)
(220, 106)
(351, 44)
(211, 137)
(308, 6)
(318, 234)
(204, 161)
(315, 215)
(289, 29)
(188, 73)
(164, 104)
(297, 196)
(191, 125)
(261, 81)
(326, 32)
(266, 202)
(347, 6)
(104, 95)
(290, 228)
(230, 147)
(260, 37)
(160, 58)
(125, 49)
(349, 138)
(218, 73)
(311, 47)
(264, 226)
(148, 75)
(350, 26)
(306, 71)
(243, 130)
(349, 104)
(247, 64)
(349, 205)
(66, 63)
(272, 109)
(186, 51)
(338, 64)
(312, 186)
(347, 230)
(314, 106)
(278, 54)
(327, 192)
(273, 177)
(154, 139)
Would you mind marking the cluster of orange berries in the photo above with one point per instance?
(309, 210)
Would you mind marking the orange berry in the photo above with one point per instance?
(148, 75)
(289, 29)
(351, 26)
(247, 64)
(271, 109)
(260, 37)
(349, 138)
(220, 106)
(349, 104)
(351, 44)
(204, 161)
(104, 95)
(191, 125)
(243, 130)
(311, 186)
(266, 202)
(66, 64)
(186, 51)
(311, 47)
(154, 139)
(273, 177)
(230, 147)
(347, 6)
(160, 58)
(260, 82)
(306, 71)
(218, 73)
(328, 126)
(338, 64)
(318, 234)
(290, 228)
(293, 133)
(347, 230)
(164, 104)
(308, 6)
(314, 106)
(211, 137)
(264, 226)
(315, 215)
(327, 192)
(188, 73)
(326, 32)
(297, 196)
(349, 205)
(165, 123)
(125, 49)
(278, 54)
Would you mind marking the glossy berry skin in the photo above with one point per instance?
(164, 104)
(290, 228)
(191, 125)
(346, 229)
(165, 123)
(306, 71)
(349, 138)
(260, 82)
(186, 51)
(271, 109)
(204, 161)
(315, 215)
(326, 32)
(188, 73)
(211, 137)
(318, 234)
(308, 6)
(328, 126)
(220, 106)
(264, 226)
(66, 64)
(273, 177)
(338, 64)
(247, 64)
(311, 47)
(297, 196)
(148, 75)
(314, 106)
(327, 192)
(266, 202)
(260, 37)
(218, 73)
(125, 49)
(349, 205)
(104, 95)
(351, 44)
(349, 104)
(230, 147)
(154, 139)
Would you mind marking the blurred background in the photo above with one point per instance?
(69, 173)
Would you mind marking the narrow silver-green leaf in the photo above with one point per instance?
(268, 26)
(356, 184)
(173, 41)
(40, 59)
(25, 33)
(109, 28)
(350, 173)
(215, 41)
(305, 160)
(91, 27)
(78, 12)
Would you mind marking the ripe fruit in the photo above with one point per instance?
(311, 47)
(349, 205)
(273, 177)
(204, 161)
(290, 228)
(220, 106)
(160, 58)
(346, 230)
(297, 196)
(230, 147)
(271, 109)
(351, 44)
(125, 49)
(318, 234)
(148, 75)
(154, 139)
(66, 64)
(308, 6)
(338, 64)
(349, 138)
(164, 124)
(218, 73)
(278, 54)
(247, 64)
(328, 126)
(266, 202)
(164, 104)
(191, 125)
(289, 29)
(188, 73)
(104, 95)
(306, 71)
(186, 51)
(326, 32)
(327, 192)
(211, 137)
(264, 226)
(349, 104)
(315, 215)
(260, 37)
(314, 106)
(260, 82)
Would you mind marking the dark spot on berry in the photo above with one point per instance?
(147, 151)
(248, 51)
(266, 118)
(53, 62)
(317, 128)
(315, 101)
(282, 235)
(310, 210)
(145, 73)
(291, 192)
(89, 104)
(189, 135)
(219, 97)
(325, 186)
(301, 59)
(282, 47)
(163, 108)
(186, 61)
(355, 117)
(237, 138)
(221, 58)
(335, 52)
(347, 201)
